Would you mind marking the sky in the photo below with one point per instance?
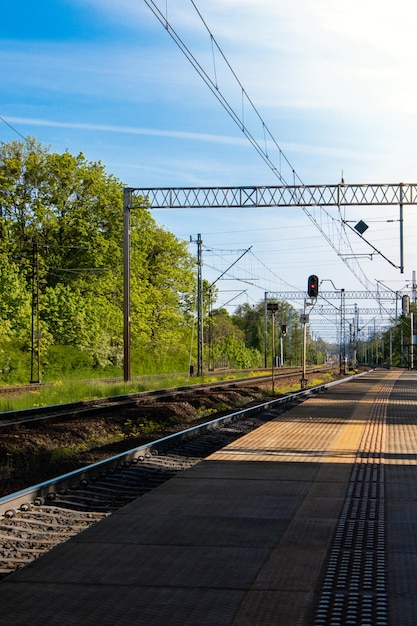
(333, 84)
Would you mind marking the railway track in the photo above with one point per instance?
(17, 389)
(38, 414)
(33, 520)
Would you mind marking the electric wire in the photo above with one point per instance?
(343, 247)
(12, 128)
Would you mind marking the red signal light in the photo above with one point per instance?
(313, 286)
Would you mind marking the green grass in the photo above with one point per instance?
(63, 392)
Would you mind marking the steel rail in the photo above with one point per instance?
(42, 492)
(11, 418)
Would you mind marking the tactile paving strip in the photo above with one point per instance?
(354, 589)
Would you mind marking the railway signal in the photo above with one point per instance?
(313, 286)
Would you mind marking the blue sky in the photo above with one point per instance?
(333, 82)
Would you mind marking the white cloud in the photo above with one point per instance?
(130, 130)
(334, 82)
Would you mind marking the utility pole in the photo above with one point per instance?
(304, 321)
(343, 329)
(126, 286)
(266, 330)
(36, 332)
(273, 307)
(199, 243)
(313, 291)
(283, 333)
(200, 305)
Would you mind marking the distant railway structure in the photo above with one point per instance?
(271, 196)
(308, 197)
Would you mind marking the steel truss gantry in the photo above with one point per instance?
(349, 311)
(271, 196)
(380, 295)
(388, 302)
(345, 323)
(308, 197)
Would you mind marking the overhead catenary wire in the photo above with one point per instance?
(333, 231)
(215, 88)
(268, 281)
(12, 128)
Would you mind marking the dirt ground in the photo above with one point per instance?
(30, 454)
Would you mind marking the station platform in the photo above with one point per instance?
(309, 520)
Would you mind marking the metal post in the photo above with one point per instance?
(401, 231)
(273, 352)
(199, 306)
(390, 347)
(126, 283)
(273, 307)
(356, 339)
(304, 355)
(210, 360)
(304, 379)
(342, 333)
(402, 347)
(38, 320)
(266, 330)
(35, 307)
(32, 352)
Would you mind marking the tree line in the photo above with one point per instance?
(61, 279)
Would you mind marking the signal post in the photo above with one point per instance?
(313, 291)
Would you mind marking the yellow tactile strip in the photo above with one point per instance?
(238, 542)
(354, 589)
(297, 560)
(312, 432)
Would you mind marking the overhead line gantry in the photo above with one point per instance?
(270, 196)
(279, 196)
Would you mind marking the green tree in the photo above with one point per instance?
(251, 319)
(15, 303)
(15, 322)
(61, 224)
(226, 342)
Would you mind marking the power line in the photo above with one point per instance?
(331, 228)
(252, 275)
(13, 128)
(213, 85)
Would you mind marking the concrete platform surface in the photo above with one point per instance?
(310, 519)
